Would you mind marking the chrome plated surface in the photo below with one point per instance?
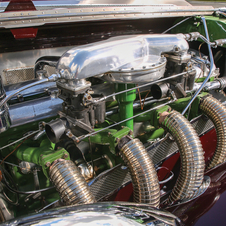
(143, 173)
(115, 53)
(72, 85)
(15, 92)
(39, 5)
(222, 82)
(147, 71)
(100, 12)
(217, 84)
(51, 78)
(216, 111)
(214, 85)
(70, 184)
(41, 88)
(86, 170)
(205, 185)
(105, 213)
(191, 154)
(34, 110)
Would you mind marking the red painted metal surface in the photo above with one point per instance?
(20, 5)
(125, 194)
(209, 143)
(23, 33)
(167, 167)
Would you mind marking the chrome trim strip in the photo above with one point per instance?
(92, 13)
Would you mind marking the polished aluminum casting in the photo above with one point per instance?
(138, 72)
(123, 59)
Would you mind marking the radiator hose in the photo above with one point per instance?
(69, 182)
(144, 176)
(216, 111)
(191, 154)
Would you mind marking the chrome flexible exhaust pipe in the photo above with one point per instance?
(142, 170)
(191, 154)
(216, 111)
(69, 182)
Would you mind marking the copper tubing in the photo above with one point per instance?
(191, 153)
(216, 111)
(70, 184)
(143, 173)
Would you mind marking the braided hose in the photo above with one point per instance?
(216, 111)
(191, 154)
(143, 173)
(70, 184)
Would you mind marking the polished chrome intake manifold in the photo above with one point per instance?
(123, 59)
(70, 184)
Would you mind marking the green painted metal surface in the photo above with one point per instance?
(109, 137)
(125, 101)
(181, 103)
(43, 155)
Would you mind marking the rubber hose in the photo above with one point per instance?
(70, 184)
(191, 153)
(143, 173)
(216, 111)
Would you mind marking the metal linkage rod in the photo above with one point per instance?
(115, 124)
(211, 68)
(143, 85)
